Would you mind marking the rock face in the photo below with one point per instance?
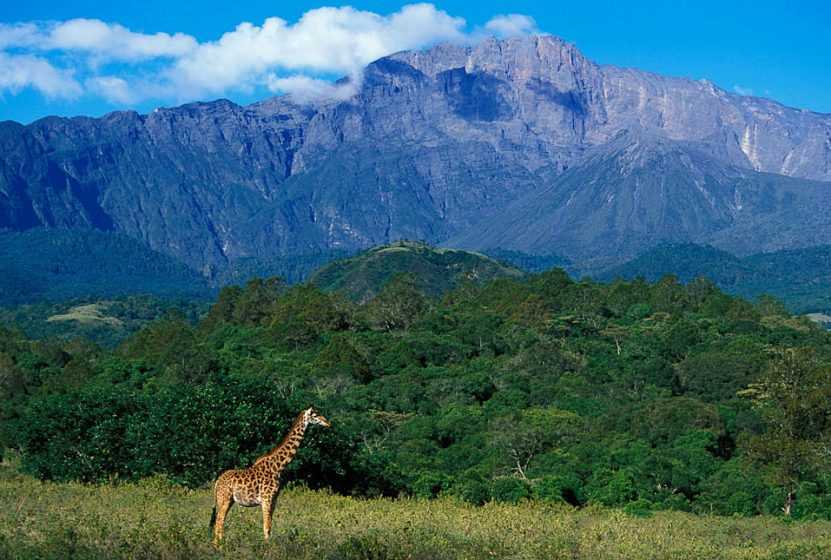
(435, 145)
(639, 189)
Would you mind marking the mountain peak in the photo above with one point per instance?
(592, 161)
(512, 58)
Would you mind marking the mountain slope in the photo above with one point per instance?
(435, 271)
(800, 278)
(433, 145)
(56, 265)
(641, 190)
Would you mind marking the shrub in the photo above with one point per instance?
(510, 490)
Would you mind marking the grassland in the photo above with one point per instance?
(153, 519)
(92, 313)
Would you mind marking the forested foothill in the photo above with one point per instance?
(630, 394)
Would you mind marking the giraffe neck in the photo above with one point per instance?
(282, 455)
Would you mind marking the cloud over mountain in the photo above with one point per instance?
(511, 25)
(92, 57)
(520, 143)
(18, 72)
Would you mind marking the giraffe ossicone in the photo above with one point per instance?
(258, 484)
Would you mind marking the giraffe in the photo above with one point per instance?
(258, 484)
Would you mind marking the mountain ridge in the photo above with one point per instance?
(433, 145)
(640, 188)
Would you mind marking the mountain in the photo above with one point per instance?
(530, 263)
(687, 261)
(799, 278)
(520, 144)
(640, 189)
(434, 270)
(292, 269)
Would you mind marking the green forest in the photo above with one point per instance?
(643, 396)
(799, 278)
(104, 322)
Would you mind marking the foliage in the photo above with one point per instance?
(792, 398)
(293, 268)
(105, 322)
(434, 271)
(530, 263)
(538, 388)
(798, 277)
(398, 305)
(57, 264)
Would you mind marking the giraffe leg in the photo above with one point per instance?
(224, 502)
(268, 511)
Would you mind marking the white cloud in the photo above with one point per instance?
(18, 35)
(125, 67)
(105, 41)
(112, 88)
(742, 90)
(324, 40)
(303, 88)
(21, 71)
(511, 25)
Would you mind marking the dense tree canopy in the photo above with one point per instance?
(630, 394)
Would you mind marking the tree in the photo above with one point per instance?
(792, 397)
(398, 305)
(11, 385)
(255, 302)
(172, 346)
(252, 305)
(223, 310)
(304, 313)
(532, 432)
(340, 357)
(688, 462)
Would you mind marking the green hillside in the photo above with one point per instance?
(57, 265)
(529, 263)
(291, 268)
(435, 270)
(105, 322)
(800, 278)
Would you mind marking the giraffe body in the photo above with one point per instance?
(259, 484)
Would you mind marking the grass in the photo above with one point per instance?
(153, 519)
(90, 313)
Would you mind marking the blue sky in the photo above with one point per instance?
(85, 57)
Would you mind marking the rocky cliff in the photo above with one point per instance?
(435, 145)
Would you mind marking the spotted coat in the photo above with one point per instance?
(258, 484)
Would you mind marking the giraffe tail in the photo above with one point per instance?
(213, 519)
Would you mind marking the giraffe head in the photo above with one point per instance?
(312, 417)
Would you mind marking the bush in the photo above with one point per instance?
(430, 485)
(559, 488)
(509, 490)
(472, 489)
(639, 508)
